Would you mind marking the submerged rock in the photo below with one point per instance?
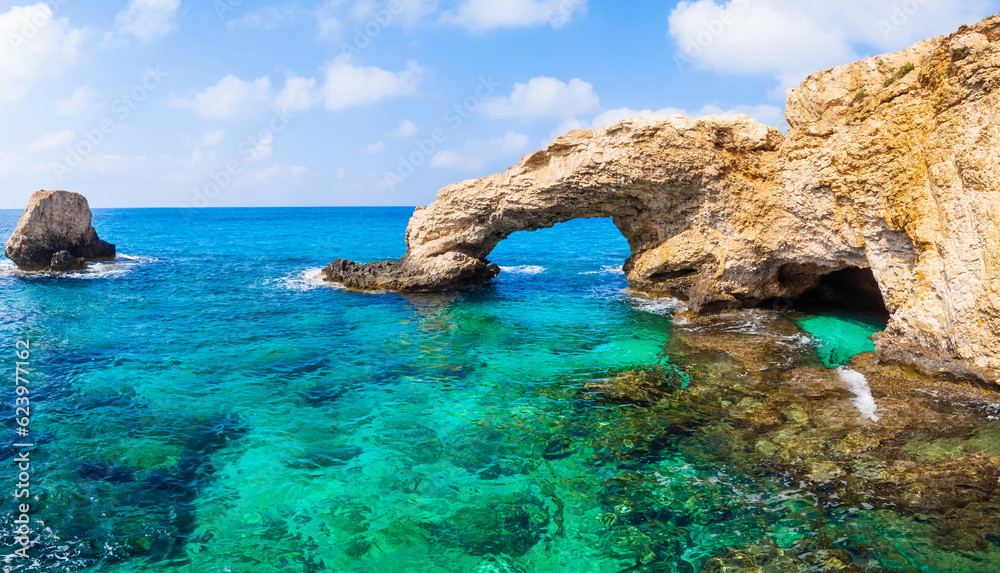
(508, 526)
(888, 167)
(934, 450)
(55, 234)
(640, 386)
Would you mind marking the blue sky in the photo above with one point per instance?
(217, 103)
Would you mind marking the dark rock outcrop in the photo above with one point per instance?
(401, 276)
(55, 234)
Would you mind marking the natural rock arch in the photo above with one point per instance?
(695, 199)
(894, 176)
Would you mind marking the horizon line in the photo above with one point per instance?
(251, 207)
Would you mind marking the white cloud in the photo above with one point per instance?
(348, 85)
(478, 153)
(269, 174)
(345, 85)
(81, 99)
(544, 97)
(359, 21)
(480, 15)
(231, 98)
(446, 159)
(299, 94)
(771, 115)
(35, 45)
(148, 20)
(263, 148)
(266, 18)
(377, 147)
(330, 27)
(406, 129)
(50, 141)
(413, 11)
(363, 9)
(201, 160)
(211, 138)
(790, 39)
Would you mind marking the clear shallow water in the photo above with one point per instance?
(840, 336)
(207, 405)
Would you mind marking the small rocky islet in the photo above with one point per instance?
(55, 234)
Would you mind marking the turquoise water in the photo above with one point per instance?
(205, 404)
(841, 336)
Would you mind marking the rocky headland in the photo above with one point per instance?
(887, 173)
(55, 234)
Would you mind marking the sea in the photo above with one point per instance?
(206, 403)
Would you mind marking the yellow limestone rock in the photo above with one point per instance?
(55, 234)
(890, 164)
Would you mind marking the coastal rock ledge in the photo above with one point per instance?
(888, 170)
(55, 234)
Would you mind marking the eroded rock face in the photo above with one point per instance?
(903, 165)
(55, 234)
(657, 177)
(889, 165)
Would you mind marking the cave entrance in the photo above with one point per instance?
(852, 290)
(842, 312)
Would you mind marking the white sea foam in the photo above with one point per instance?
(858, 385)
(523, 270)
(309, 279)
(606, 270)
(662, 306)
(122, 265)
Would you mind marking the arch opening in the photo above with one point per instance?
(581, 246)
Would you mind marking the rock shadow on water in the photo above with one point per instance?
(155, 508)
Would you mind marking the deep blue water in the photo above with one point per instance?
(206, 404)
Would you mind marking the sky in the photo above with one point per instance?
(243, 103)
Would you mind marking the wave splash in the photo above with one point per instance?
(122, 265)
(309, 279)
(606, 270)
(667, 306)
(858, 385)
(524, 270)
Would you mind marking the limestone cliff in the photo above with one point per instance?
(55, 234)
(897, 155)
(888, 165)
